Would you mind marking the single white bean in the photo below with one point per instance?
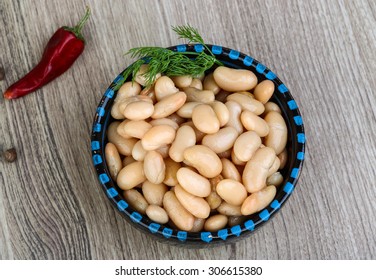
(221, 112)
(138, 110)
(157, 214)
(256, 170)
(234, 79)
(246, 145)
(234, 119)
(123, 145)
(164, 86)
(229, 170)
(131, 176)
(177, 213)
(154, 167)
(275, 179)
(182, 81)
(135, 129)
(264, 91)
(231, 191)
(128, 89)
(228, 209)
(154, 193)
(216, 222)
(205, 119)
(253, 122)
(168, 105)
(258, 200)
(136, 200)
(222, 140)
(113, 160)
(204, 160)
(277, 137)
(193, 182)
(185, 138)
(197, 206)
(158, 136)
(210, 84)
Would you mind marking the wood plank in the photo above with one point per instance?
(51, 205)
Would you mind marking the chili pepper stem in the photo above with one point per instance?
(76, 30)
(83, 20)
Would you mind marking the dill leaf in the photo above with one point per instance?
(188, 32)
(161, 60)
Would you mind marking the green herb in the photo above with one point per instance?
(161, 60)
(190, 33)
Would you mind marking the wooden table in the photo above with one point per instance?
(51, 204)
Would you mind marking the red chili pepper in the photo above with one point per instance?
(64, 47)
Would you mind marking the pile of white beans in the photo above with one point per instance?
(198, 153)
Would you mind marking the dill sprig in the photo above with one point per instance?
(161, 60)
(191, 34)
(188, 32)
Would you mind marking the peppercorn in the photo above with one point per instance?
(10, 155)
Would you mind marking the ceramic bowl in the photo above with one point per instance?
(295, 147)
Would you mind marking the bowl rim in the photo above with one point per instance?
(164, 233)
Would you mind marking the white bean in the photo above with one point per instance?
(154, 167)
(185, 138)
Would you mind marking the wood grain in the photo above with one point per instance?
(51, 205)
